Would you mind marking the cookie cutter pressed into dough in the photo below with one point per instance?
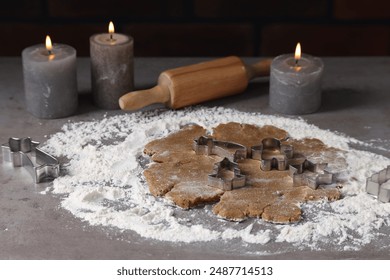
(20, 151)
(305, 172)
(272, 154)
(208, 146)
(226, 176)
(374, 185)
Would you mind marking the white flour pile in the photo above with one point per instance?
(105, 186)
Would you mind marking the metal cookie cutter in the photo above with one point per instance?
(17, 151)
(375, 185)
(305, 172)
(208, 146)
(272, 154)
(226, 176)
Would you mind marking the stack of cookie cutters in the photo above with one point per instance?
(376, 185)
(25, 152)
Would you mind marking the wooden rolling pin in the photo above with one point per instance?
(197, 83)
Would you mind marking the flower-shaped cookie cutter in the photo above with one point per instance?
(375, 185)
(24, 152)
(226, 176)
(205, 145)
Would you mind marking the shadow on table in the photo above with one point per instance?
(339, 99)
(86, 104)
(254, 91)
(87, 107)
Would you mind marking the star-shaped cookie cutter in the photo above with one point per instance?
(205, 145)
(226, 176)
(20, 151)
(306, 173)
(375, 185)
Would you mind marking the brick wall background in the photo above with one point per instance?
(204, 27)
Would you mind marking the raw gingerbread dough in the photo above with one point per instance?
(181, 176)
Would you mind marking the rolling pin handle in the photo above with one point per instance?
(138, 99)
(259, 69)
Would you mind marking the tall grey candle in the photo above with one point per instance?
(50, 80)
(111, 67)
(295, 83)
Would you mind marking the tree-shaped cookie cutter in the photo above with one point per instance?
(226, 176)
(24, 152)
(375, 185)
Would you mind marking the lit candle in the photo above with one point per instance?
(295, 83)
(111, 67)
(50, 80)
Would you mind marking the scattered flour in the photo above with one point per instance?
(104, 184)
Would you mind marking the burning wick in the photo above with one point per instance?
(297, 55)
(49, 46)
(111, 30)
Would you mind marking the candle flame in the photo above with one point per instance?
(298, 52)
(49, 46)
(111, 28)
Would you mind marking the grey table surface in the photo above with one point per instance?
(356, 102)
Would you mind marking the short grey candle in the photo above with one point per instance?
(50, 80)
(295, 83)
(111, 67)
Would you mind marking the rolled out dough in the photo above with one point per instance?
(180, 175)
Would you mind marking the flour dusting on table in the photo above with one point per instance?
(104, 184)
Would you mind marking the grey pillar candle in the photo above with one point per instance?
(295, 84)
(50, 80)
(111, 67)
